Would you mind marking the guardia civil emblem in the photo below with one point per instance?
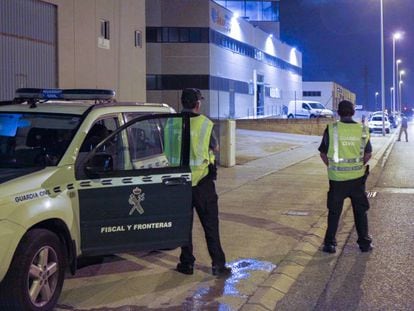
(135, 199)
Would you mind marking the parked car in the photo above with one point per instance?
(375, 123)
(395, 120)
(84, 175)
(308, 109)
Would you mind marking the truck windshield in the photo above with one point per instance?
(34, 139)
(316, 106)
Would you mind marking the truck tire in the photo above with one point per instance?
(291, 116)
(35, 277)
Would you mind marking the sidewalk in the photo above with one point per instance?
(272, 221)
(291, 187)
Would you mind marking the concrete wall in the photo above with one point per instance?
(83, 64)
(294, 126)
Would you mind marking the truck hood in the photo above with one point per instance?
(21, 186)
(7, 174)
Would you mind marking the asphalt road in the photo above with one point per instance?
(270, 209)
(384, 278)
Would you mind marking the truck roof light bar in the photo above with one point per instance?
(64, 94)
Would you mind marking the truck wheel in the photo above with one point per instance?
(35, 277)
(290, 116)
(312, 116)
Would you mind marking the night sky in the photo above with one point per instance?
(340, 42)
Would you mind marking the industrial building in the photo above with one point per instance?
(327, 93)
(150, 50)
(243, 71)
(73, 44)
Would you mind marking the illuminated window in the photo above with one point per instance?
(254, 10)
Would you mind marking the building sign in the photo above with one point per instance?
(222, 20)
(274, 92)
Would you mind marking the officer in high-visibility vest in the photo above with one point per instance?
(345, 149)
(203, 173)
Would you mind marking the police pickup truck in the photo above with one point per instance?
(84, 175)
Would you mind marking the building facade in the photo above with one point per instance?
(243, 71)
(150, 50)
(261, 13)
(328, 93)
(73, 44)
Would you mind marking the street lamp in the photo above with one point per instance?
(382, 69)
(396, 36)
(376, 101)
(397, 94)
(400, 92)
(401, 73)
(392, 102)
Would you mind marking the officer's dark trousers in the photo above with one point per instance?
(338, 192)
(205, 201)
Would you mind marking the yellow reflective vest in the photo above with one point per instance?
(172, 141)
(200, 153)
(347, 143)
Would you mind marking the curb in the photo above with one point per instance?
(279, 282)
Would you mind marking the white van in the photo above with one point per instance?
(307, 109)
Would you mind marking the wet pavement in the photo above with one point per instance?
(272, 217)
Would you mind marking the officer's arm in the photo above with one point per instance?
(323, 148)
(324, 158)
(214, 145)
(367, 152)
(367, 156)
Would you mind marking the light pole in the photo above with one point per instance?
(392, 102)
(376, 101)
(382, 69)
(395, 36)
(397, 93)
(401, 73)
(400, 92)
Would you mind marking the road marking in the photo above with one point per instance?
(297, 213)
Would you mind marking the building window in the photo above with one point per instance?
(138, 39)
(104, 29)
(312, 93)
(177, 34)
(259, 10)
(206, 35)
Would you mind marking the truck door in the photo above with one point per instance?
(134, 187)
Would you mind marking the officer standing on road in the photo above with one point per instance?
(203, 170)
(404, 126)
(345, 149)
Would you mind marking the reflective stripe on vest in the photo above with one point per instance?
(347, 143)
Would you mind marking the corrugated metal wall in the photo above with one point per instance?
(28, 45)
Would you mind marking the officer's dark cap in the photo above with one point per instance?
(189, 97)
(346, 108)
